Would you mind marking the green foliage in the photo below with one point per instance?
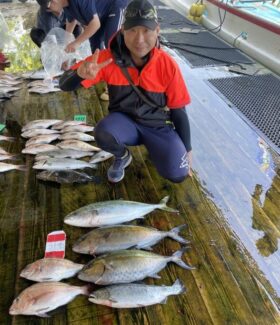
(24, 55)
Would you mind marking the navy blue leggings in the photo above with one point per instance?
(109, 26)
(166, 149)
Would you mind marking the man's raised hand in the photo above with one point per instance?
(89, 69)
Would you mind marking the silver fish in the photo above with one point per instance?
(135, 295)
(63, 124)
(43, 90)
(64, 153)
(3, 151)
(76, 136)
(77, 128)
(7, 157)
(113, 212)
(6, 167)
(50, 269)
(62, 164)
(40, 298)
(100, 156)
(127, 266)
(39, 148)
(35, 132)
(42, 139)
(39, 124)
(67, 177)
(77, 145)
(4, 138)
(113, 238)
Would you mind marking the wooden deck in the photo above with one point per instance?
(224, 209)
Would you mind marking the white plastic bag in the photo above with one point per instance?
(4, 32)
(53, 50)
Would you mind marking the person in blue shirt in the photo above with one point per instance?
(100, 19)
(47, 20)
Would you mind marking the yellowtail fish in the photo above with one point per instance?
(127, 266)
(114, 212)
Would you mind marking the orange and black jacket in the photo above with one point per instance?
(160, 80)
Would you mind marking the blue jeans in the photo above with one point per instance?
(166, 149)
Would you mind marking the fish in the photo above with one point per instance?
(43, 90)
(63, 153)
(50, 269)
(40, 298)
(62, 164)
(3, 151)
(7, 89)
(36, 132)
(76, 136)
(77, 128)
(39, 124)
(77, 145)
(127, 266)
(135, 295)
(63, 124)
(35, 149)
(113, 212)
(101, 156)
(4, 138)
(6, 167)
(67, 177)
(113, 238)
(42, 139)
(7, 157)
(5, 95)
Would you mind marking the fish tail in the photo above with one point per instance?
(87, 289)
(93, 165)
(178, 287)
(162, 205)
(21, 167)
(173, 233)
(177, 258)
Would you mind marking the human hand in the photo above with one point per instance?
(71, 47)
(89, 69)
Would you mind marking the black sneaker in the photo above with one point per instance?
(116, 171)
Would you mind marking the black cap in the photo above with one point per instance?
(43, 3)
(140, 13)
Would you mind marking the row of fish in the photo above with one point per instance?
(41, 298)
(117, 267)
(8, 84)
(5, 155)
(59, 162)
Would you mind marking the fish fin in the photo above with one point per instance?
(47, 279)
(173, 233)
(164, 301)
(41, 313)
(112, 300)
(176, 258)
(21, 167)
(162, 205)
(140, 305)
(110, 267)
(155, 276)
(178, 287)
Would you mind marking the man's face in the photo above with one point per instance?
(55, 6)
(140, 40)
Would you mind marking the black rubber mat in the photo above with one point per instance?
(169, 18)
(200, 49)
(205, 49)
(258, 99)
